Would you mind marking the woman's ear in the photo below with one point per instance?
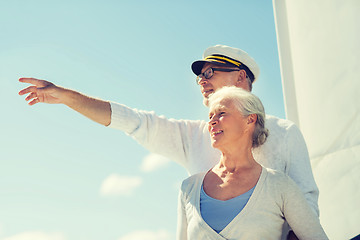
(252, 118)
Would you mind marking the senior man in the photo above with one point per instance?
(187, 142)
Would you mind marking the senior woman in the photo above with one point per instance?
(239, 198)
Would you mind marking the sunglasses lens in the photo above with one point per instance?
(208, 73)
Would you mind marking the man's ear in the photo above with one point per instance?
(242, 75)
(252, 118)
(242, 81)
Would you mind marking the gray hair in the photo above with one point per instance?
(249, 82)
(247, 103)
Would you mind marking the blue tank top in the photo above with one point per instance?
(217, 213)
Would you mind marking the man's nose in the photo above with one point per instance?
(203, 81)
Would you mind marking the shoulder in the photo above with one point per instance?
(282, 182)
(281, 127)
(274, 174)
(189, 184)
(277, 178)
(275, 122)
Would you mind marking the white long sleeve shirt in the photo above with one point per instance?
(276, 198)
(188, 143)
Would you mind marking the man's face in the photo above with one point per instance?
(221, 79)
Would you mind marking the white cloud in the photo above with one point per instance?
(153, 162)
(119, 185)
(36, 235)
(147, 235)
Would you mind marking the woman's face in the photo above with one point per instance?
(227, 126)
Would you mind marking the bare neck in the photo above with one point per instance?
(237, 159)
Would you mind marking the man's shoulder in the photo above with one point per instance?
(278, 121)
(278, 124)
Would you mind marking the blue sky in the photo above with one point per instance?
(54, 163)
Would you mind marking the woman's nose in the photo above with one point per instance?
(213, 121)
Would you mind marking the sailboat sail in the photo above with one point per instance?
(319, 54)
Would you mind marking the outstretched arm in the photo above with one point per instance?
(168, 137)
(43, 91)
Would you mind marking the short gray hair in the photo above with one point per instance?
(247, 103)
(249, 82)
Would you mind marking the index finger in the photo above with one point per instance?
(27, 90)
(33, 81)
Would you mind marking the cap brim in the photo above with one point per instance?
(197, 66)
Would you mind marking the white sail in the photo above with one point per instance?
(319, 49)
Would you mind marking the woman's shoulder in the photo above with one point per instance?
(191, 182)
(276, 177)
(280, 181)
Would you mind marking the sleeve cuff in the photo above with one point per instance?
(124, 118)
